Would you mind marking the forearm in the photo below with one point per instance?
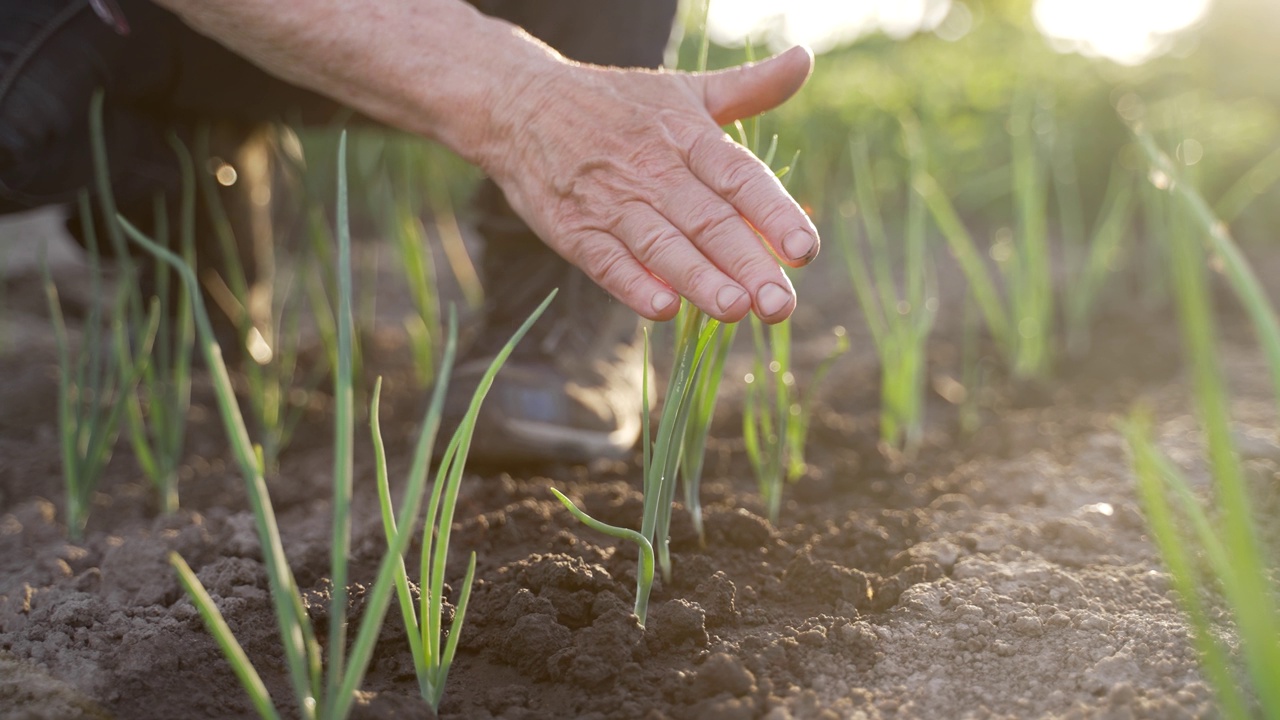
(437, 68)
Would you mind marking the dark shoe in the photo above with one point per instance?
(571, 390)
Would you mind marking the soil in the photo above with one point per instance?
(1004, 573)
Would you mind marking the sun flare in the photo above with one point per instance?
(1126, 31)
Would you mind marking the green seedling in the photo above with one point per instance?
(706, 391)
(1196, 211)
(156, 413)
(899, 320)
(657, 461)
(776, 415)
(1103, 255)
(1028, 273)
(1020, 322)
(318, 692)
(661, 458)
(93, 385)
(1090, 259)
(1236, 563)
(432, 652)
(644, 573)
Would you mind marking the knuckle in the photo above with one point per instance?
(609, 268)
(715, 220)
(701, 281)
(738, 178)
(656, 247)
(752, 267)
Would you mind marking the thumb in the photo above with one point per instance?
(747, 90)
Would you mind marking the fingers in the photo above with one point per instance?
(643, 244)
(721, 235)
(666, 251)
(733, 173)
(751, 89)
(613, 267)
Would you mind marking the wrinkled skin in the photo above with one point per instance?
(626, 173)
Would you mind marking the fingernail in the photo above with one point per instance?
(800, 245)
(663, 300)
(728, 297)
(773, 299)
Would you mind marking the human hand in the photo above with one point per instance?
(627, 174)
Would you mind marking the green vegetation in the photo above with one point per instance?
(1021, 319)
(157, 412)
(661, 456)
(432, 653)
(93, 385)
(776, 415)
(706, 393)
(900, 320)
(328, 693)
(644, 573)
(1215, 548)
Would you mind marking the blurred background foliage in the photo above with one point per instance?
(1213, 91)
(1210, 91)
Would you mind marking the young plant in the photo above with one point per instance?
(1090, 259)
(654, 483)
(706, 391)
(156, 413)
(775, 415)
(1020, 322)
(644, 573)
(93, 385)
(432, 652)
(1235, 560)
(899, 320)
(1105, 248)
(317, 692)
(1166, 178)
(661, 456)
(661, 459)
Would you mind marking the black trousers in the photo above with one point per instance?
(163, 77)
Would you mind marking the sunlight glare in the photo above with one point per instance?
(820, 24)
(1126, 31)
(1129, 32)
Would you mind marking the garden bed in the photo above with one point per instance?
(1003, 574)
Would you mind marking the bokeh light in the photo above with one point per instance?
(1126, 31)
(820, 24)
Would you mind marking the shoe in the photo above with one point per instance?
(571, 389)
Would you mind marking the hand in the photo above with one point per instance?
(624, 172)
(627, 174)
